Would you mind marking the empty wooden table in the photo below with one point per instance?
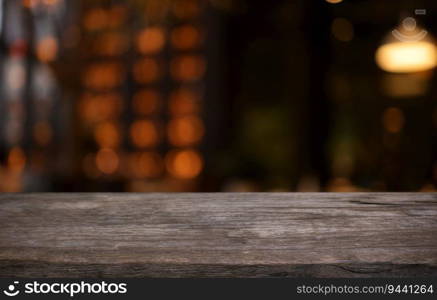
(218, 235)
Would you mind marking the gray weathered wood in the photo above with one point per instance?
(218, 235)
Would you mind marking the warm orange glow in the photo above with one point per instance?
(10, 182)
(146, 102)
(405, 85)
(185, 37)
(393, 120)
(110, 44)
(95, 19)
(98, 19)
(42, 133)
(107, 135)
(184, 164)
(407, 57)
(30, 3)
(188, 68)
(100, 107)
(103, 75)
(33, 3)
(51, 2)
(146, 164)
(186, 9)
(16, 160)
(151, 40)
(144, 134)
(334, 1)
(341, 185)
(156, 11)
(184, 101)
(47, 49)
(185, 131)
(107, 161)
(16, 75)
(117, 15)
(146, 70)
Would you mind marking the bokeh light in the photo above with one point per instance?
(107, 161)
(144, 133)
(185, 131)
(151, 40)
(407, 57)
(184, 164)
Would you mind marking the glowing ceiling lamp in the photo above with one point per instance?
(408, 49)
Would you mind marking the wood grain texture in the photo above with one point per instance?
(218, 235)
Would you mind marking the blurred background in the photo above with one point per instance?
(217, 95)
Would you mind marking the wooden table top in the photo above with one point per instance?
(218, 235)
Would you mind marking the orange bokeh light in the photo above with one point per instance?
(103, 75)
(47, 49)
(185, 37)
(186, 9)
(117, 15)
(151, 40)
(144, 134)
(16, 160)
(184, 164)
(96, 19)
(188, 68)
(110, 44)
(107, 135)
(184, 101)
(185, 131)
(107, 161)
(100, 107)
(146, 164)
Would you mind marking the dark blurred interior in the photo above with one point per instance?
(218, 95)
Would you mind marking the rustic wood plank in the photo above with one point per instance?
(218, 235)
